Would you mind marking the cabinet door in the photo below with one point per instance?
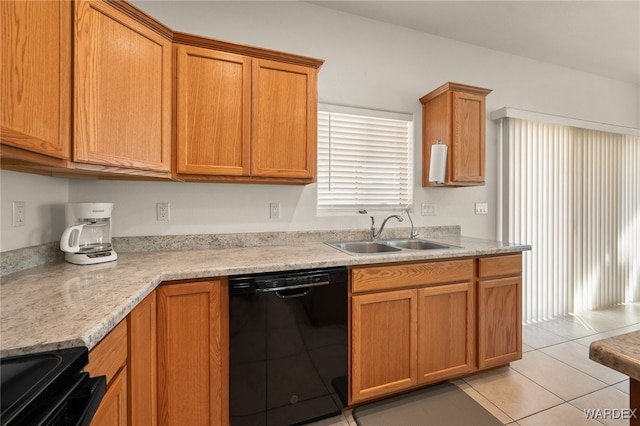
(122, 91)
(467, 147)
(142, 363)
(113, 408)
(109, 358)
(499, 321)
(213, 112)
(284, 120)
(35, 74)
(193, 353)
(383, 343)
(446, 331)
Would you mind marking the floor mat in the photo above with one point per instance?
(441, 405)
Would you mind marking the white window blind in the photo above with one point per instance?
(364, 160)
(574, 195)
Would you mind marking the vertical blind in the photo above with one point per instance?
(364, 161)
(574, 195)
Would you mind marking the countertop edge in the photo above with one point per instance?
(95, 330)
(620, 353)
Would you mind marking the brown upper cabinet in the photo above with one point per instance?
(35, 73)
(455, 114)
(244, 114)
(108, 60)
(88, 88)
(122, 74)
(213, 112)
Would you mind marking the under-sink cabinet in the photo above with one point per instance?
(446, 331)
(416, 327)
(418, 323)
(383, 343)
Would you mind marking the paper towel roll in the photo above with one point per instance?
(438, 163)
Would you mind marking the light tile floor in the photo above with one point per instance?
(555, 382)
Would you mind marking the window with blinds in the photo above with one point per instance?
(364, 160)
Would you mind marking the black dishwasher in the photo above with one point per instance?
(288, 346)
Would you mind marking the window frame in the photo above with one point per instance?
(403, 156)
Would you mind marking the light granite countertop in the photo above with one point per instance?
(621, 353)
(63, 305)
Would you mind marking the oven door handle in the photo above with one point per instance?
(89, 399)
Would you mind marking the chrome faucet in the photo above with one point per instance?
(376, 233)
(413, 233)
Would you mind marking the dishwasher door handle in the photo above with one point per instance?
(308, 286)
(293, 295)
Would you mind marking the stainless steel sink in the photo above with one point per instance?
(388, 246)
(364, 247)
(417, 244)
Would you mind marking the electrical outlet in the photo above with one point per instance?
(482, 208)
(274, 210)
(162, 211)
(429, 209)
(18, 213)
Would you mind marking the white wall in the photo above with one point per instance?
(45, 200)
(367, 64)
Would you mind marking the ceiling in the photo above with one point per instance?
(598, 37)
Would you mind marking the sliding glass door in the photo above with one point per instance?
(573, 194)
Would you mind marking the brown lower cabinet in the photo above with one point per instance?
(446, 331)
(142, 363)
(411, 324)
(500, 310)
(193, 353)
(113, 408)
(383, 343)
(167, 362)
(109, 358)
(418, 323)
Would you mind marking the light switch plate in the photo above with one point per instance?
(429, 209)
(482, 208)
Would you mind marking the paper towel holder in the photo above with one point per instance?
(438, 163)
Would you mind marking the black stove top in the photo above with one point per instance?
(34, 382)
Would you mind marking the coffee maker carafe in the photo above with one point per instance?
(87, 240)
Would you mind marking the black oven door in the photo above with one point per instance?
(49, 388)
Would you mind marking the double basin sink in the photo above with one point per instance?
(388, 246)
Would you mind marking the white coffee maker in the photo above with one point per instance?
(87, 240)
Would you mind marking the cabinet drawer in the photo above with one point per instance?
(497, 266)
(113, 407)
(108, 356)
(397, 276)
